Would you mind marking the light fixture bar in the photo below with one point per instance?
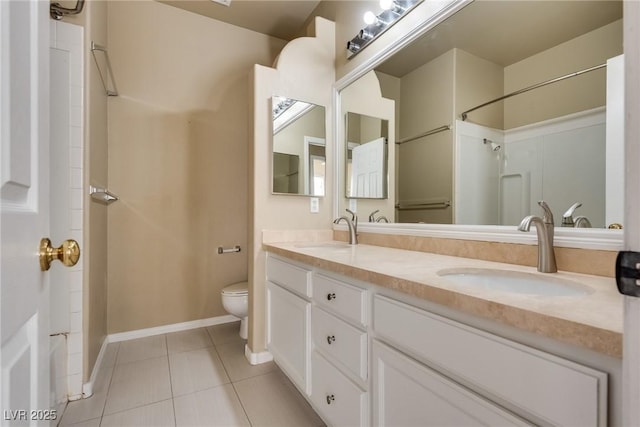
(392, 12)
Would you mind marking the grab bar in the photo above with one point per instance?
(420, 205)
(109, 76)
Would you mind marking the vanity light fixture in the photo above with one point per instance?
(392, 11)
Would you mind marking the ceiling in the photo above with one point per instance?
(505, 32)
(278, 18)
(500, 31)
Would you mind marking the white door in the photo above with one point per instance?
(24, 126)
(631, 349)
(368, 169)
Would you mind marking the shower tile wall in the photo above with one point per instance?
(68, 38)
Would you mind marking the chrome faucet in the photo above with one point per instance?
(544, 228)
(353, 226)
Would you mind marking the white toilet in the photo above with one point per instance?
(235, 299)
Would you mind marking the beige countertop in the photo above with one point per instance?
(593, 321)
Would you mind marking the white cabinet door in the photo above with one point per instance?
(288, 334)
(407, 393)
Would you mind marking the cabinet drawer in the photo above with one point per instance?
(346, 344)
(542, 386)
(289, 276)
(407, 393)
(339, 401)
(346, 300)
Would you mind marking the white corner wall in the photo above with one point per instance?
(305, 71)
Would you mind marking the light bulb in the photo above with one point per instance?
(369, 18)
(386, 4)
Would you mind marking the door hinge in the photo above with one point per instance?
(628, 273)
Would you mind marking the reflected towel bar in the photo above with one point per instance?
(536, 86)
(430, 132)
(413, 206)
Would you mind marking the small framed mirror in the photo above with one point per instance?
(298, 148)
(366, 157)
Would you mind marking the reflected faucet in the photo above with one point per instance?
(353, 226)
(582, 222)
(578, 222)
(567, 217)
(381, 218)
(544, 229)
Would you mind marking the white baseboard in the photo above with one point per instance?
(175, 327)
(87, 388)
(257, 358)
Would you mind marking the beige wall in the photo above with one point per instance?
(425, 173)
(569, 96)
(304, 71)
(478, 81)
(177, 158)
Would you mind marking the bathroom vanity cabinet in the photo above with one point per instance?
(364, 357)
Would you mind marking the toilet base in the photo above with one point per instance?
(244, 327)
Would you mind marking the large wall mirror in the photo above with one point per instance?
(550, 143)
(366, 157)
(298, 149)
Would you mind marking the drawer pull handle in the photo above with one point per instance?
(331, 339)
(330, 398)
(331, 296)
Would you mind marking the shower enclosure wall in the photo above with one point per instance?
(66, 192)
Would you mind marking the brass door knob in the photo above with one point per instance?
(68, 253)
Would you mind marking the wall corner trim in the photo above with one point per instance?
(257, 358)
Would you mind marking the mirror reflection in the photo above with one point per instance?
(298, 147)
(550, 143)
(366, 157)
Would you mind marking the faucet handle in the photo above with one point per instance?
(353, 214)
(372, 215)
(567, 217)
(547, 217)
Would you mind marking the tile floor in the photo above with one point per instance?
(198, 377)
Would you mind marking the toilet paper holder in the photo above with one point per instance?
(222, 250)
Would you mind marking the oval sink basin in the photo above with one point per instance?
(514, 282)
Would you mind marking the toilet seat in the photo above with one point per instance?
(237, 289)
